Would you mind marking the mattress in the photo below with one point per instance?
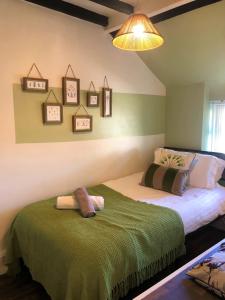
(197, 207)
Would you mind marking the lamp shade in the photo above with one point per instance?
(137, 34)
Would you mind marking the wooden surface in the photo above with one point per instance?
(180, 285)
(181, 288)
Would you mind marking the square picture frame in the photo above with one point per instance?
(92, 99)
(39, 85)
(52, 113)
(71, 91)
(82, 123)
(106, 102)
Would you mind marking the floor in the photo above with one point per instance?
(24, 288)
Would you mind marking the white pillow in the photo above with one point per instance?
(220, 169)
(207, 171)
(174, 159)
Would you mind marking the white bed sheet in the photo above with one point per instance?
(197, 207)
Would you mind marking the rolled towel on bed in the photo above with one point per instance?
(67, 202)
(70, 202)
(98, 202)
(86, 205)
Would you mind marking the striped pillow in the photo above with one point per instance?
(170, 180)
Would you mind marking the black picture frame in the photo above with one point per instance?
(92, 99)
(39, 85)
(82, 123)
(106, 102)
(71, 91)
(46, 114)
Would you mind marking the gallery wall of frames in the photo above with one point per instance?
(52, 108)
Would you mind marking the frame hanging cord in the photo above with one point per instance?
(71, 69)
(92, 85)
(106, 84)
(81, 105)
(34, 66)
(52, 92)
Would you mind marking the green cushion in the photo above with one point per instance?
(222, 179)
(170, 180)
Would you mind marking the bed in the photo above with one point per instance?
(197, 207)
(122, 246)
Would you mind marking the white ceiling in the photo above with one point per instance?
(103, 10)
(148, 7)
(138, 4)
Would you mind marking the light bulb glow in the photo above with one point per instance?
(138, 30)
(137, 34)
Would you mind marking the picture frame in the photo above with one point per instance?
(106, 102)
(52, 113)
(92, 99)
(71, 91)
(39, 85)
(82, 123)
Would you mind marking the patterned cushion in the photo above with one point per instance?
(166, 179)
(210, 273)
(174, 159)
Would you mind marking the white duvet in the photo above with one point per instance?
(197, 207)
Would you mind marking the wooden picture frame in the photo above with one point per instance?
(39, 85)
(92, 99)
(106, 102)
(71, 91)
(52, 113)
(82, 123)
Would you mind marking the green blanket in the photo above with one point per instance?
(97, 258)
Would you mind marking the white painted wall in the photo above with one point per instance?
(30, 172)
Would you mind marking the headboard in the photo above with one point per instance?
(217, 154)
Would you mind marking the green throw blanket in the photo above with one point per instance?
(97, 258)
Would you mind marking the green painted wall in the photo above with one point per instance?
(205, 120)
(185, 112)
(133, 115)
(193, 50)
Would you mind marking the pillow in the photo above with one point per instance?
(221, 172)
(206, 172)
(170, 180)
(210, 273)
(174, 159)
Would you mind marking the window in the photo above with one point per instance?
(216, 138)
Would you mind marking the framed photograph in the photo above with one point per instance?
(52, 113)
(107, 102)
(71, 91)
(35, 85)
(82, 123)
(92, 99)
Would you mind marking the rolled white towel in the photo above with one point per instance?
(98, 202)
(69, 202)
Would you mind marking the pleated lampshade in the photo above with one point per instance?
(137, 34)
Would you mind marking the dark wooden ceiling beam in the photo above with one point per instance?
(73, 10)
(179, 10)
(117, 5)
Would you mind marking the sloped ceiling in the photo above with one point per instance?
(194, 49)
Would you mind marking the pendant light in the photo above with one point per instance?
(137, 34)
